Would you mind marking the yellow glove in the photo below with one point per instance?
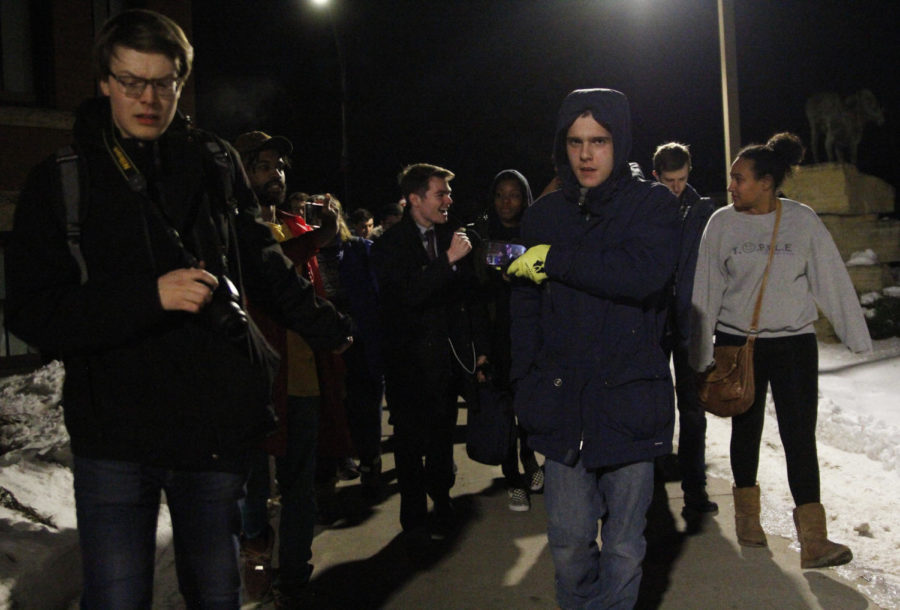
(531, 264)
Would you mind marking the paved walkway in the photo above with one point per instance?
(500, 559)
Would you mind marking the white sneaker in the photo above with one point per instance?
(518, 499)
(536, 481)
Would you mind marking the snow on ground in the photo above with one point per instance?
(859, 458)
(859, 455)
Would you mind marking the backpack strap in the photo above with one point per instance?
(225, 168)
(70, 180)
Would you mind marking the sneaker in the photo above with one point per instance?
(518, 499)
(536, 481)
(347, 470)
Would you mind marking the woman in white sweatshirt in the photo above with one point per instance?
(806, 271)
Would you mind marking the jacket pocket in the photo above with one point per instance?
(541, 399)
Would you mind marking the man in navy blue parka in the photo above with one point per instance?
(593, 384)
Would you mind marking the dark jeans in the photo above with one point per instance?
(295, 472)
(791, 366)
(117, 505)
(691, 426)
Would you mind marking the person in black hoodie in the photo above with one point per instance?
(510, 196)
(593, 386)
(163, 388)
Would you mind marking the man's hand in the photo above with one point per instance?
(459, 247)
(480, 363)
(531, 264)
(328, 228)
(186, 289)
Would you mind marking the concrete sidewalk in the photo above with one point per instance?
(500, 559)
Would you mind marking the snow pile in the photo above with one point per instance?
(31, 413)
(863, 257)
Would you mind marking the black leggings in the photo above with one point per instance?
(791, 366)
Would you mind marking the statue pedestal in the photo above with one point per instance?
(839, 188)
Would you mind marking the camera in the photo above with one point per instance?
(224, 311)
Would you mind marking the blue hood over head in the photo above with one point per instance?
(609, 108)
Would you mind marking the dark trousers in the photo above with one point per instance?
(295, 472)
(519, 451)
(791, 366)
(423, 452)
(363, 404)
(691, 426)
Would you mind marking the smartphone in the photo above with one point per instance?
(500, 254)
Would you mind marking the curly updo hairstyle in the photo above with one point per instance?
(775, 158)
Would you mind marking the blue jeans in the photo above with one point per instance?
(117, 505)
(576, 499)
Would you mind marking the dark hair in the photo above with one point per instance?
(775, 158)
(415, 178)
(147, 32)
(360, 215)
(671, 156)
(390, 209)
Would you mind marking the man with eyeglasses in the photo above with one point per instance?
(165, 388)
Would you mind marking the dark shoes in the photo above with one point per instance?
(699, 503)
(444, 519)
(256, 565)
(347, 470)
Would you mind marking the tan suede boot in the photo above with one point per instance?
(746, 516)
(816, 550)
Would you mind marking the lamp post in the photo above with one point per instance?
(345, 149)
(731, 117)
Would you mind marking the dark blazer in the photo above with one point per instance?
(424, 306)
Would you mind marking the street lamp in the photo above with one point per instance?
(731, 117)
(345, 150)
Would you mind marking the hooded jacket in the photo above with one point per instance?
(161, 388)
(497, 288)
(592, 376)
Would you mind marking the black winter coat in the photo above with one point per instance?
(424, 303)
(143, 384)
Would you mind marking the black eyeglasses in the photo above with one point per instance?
(134, 86)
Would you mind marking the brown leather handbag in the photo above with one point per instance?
(728, 389)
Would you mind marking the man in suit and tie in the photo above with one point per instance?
(434, 344)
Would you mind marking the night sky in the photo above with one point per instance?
(475, 86)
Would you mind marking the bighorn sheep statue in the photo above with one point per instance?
(841, 122)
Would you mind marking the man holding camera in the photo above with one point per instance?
(117, 264)
(434, 342)
(301, 393)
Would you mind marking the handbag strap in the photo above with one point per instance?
(762, 288)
